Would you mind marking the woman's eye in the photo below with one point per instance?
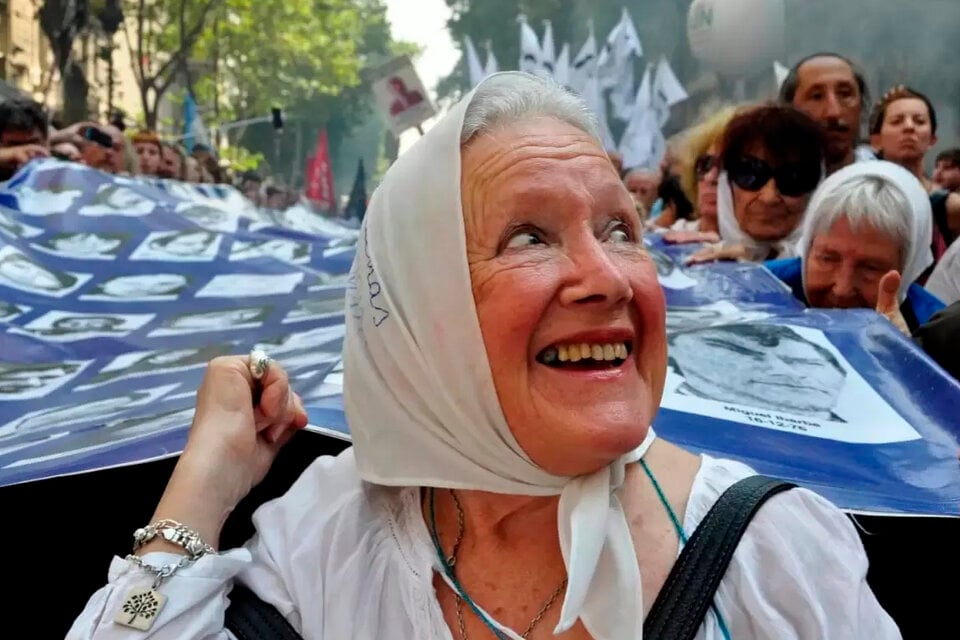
(620, 233)
(523, 239)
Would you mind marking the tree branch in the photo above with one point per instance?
(186, 41)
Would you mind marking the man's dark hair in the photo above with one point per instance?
(21, 114)
(250, 176)
(788, 90)
(899, 92)
(949, 155)
(787, 134)
(768, 336)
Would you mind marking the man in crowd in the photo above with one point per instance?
(23, 135)
(946, 173)
(149, 152)
(98, 154)
(643, 185)
(250, 185)
(828, 88)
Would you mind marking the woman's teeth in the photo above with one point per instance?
(607, 352)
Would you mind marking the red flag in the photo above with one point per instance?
(320, 175)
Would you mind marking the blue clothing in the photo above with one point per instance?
(917, 308)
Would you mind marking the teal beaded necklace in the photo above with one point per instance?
(461, 593)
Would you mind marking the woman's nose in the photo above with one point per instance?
(596, 277)
(845, 283)
(769, 192)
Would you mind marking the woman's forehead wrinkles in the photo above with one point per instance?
(532, 148)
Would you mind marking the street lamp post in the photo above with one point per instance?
(110, 16)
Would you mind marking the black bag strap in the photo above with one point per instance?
(688, 592)
(250, 618)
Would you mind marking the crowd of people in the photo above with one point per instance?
(825, 187)
(26, 133)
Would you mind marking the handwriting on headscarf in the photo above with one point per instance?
(374, 290)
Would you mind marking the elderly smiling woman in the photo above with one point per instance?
(504, 359)
(865, 241)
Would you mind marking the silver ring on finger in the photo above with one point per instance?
(259, 363)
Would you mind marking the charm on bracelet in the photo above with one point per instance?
(141, 608)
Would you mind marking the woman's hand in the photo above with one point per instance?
(689, 237)
(239, 426)
(719, 252)
(887, 303)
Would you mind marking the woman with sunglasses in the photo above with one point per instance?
(865, 241)
(771, 162)
(699, 169)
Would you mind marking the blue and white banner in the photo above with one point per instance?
(115, 292)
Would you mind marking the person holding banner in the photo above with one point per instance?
(500, 382)
(865, 242)
(772, 159)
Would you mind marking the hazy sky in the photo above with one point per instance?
(424, 22)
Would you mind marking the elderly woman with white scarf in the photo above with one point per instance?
(504, 359)
(771, 160)
(865, 241)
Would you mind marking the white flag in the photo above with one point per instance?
(667, 91)
(548, 52)
(643, 144)
(593, 96)
(584, 66)
(780, 72)
(475, 71)
(529, 48)
(617, 55)
(492, 66)
(561, 70)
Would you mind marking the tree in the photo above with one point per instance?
(161, 36)
(62, 21)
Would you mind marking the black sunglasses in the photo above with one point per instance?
(704, 164)
(792, 179)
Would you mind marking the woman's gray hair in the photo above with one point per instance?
(867, 201)
(511, 97)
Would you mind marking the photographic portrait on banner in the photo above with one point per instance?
(781, 377)
(179, 246)
(10, 311)
(19, 271)
(83, 246)
(137, 364)
(112, 199)
(17, 230)
(23, 381)
(208, 217)
(69, 326)
(289, 251)
(143, 287)
(217, 320)
(250, 285)
(670, 274)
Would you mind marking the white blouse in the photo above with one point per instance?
(341, 558)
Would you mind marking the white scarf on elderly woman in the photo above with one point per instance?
(419, 393)
(918, 255)
(732, 234)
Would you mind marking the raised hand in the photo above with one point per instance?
(714, 253)
(888, 304)
(15, 157)
(689, 237)
(238, 428)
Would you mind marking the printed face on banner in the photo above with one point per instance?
(250, 285)
(114, 200)
(10, 311)
(208, 217)
(43, 202)
(288, 251)
(26, 381)
(85, 246)
(318, 306)
(669, 273)
(66, 415)
(227, 319)
(139, 364)
(20, 272)
(778, 377)
(146, 287)
(686, 318)
(179, 246)
(17, 230)
(68, 326)
(401, 95)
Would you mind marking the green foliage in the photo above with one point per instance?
(241, 159)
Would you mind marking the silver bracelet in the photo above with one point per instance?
(175, 532)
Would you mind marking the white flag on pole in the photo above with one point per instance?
(561, 70)
(780, 72)
(475, 71)
(584, 66)
(667, 91)
(492, 66)
(593, 96)
(548, 52)
(643, 144)
(615, 65)
(530, 52)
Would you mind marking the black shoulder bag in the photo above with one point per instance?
(678, 611)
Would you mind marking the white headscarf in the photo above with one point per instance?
(918, 255)
(419, 393)
(731, 233)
